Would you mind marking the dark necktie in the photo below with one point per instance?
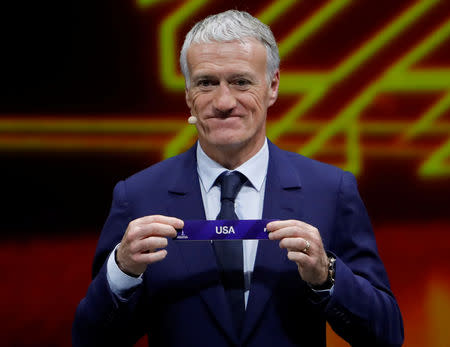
(229, 253)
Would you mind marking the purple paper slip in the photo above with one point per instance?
(244, 229)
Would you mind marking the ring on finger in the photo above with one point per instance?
(307, 246)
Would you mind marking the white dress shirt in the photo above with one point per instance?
(248, 205)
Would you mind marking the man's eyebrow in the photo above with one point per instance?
(235, 76)
(241, 75)
(202, 77)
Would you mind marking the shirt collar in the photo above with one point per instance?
(255, 169)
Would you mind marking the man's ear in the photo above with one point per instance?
(273, 88)
(188, 97)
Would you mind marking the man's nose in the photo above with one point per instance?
(224, 100)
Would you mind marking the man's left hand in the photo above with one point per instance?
(304, 246)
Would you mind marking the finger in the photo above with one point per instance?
(278, 224)
(297, 244)
(152, 257)
(299, 257)
(151, 244)
(289, 231)
(142, 231)
(172, 221)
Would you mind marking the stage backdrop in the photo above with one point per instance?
(91, 92)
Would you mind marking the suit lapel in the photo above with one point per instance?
(282, 200)
(186, 203)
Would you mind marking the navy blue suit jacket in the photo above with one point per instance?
(181, 301)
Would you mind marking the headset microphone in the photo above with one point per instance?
(192, 120)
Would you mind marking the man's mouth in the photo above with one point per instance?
(223, 116)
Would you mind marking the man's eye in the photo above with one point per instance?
(204, 83)
(242, 82)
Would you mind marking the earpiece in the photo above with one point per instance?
(192, 120)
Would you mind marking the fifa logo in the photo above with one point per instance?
(182, 236)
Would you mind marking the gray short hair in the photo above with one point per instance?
(230, 26)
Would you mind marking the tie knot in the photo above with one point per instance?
(231, 183)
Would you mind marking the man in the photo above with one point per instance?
(320, 264)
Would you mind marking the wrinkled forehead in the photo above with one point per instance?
(244, 44)
(249, 51)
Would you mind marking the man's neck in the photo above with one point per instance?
(232, 156)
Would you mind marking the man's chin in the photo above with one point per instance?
(227, 141)
(233, 144)
(229, 144)
(223, 143)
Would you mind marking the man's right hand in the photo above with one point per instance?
(144, 241)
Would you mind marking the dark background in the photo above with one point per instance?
(97, 60)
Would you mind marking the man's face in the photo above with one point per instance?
(229, 93)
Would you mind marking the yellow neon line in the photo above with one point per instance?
(346, 68)
(42, 144)
(437, 305)
(301, 82)
(162, 126)
(39, 143)
(275, 10)
(382, 38)
(89, 126)
(428, 117)
(177, 144)
(147, 3)
(437, 164)
(50, 144)
(378, 128)
(392, 152)
(295, 112)
(306, 29)
(168, 59)
(353, 150)
(422, 79)
(431, 42)
(352, 111)
(428, 80)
